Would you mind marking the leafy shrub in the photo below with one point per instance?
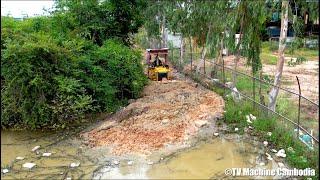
(294, 62)
(37, 82)
(46, 84)
(96, 81)
(123, 66)
(56, 69)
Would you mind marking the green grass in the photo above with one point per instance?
(268, 58)
(269, 47)
(266, 53)
(309, 54)
(281, 138)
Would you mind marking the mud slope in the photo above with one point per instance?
(168, 112)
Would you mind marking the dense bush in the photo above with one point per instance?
(49, 81)
(38, 88)
(112, 73)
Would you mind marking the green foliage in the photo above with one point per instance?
(99, 20)
(123, 70)
(237, 114)
(53, 72)
(265, 125)
(294, 62)
(141, 38)
(32, 71)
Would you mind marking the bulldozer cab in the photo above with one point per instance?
(156, 59)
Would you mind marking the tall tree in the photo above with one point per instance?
(99, 20)
(249, 20)
(282, 45)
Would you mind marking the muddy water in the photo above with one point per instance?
(56, 166)
(205, 160)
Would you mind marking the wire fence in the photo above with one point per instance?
(301, 112)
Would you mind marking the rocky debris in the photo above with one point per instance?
(265, 143)
(115, 162)
(229, 84)
(273, 150)
(252, 117)
(4, 171)
(35, 148)
(281, 153)
(281, 165)
(165, 121)
(73, 165)
(215, 80)
(19, 158)
(269, 157)
(46, 154)
(235, 94)
(28, 165)
(200, 123)
(165, 114)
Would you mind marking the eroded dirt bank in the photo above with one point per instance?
(168, 113)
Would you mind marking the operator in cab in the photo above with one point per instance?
(157, 61)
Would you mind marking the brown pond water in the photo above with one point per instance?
(205, 160)
(56, 166)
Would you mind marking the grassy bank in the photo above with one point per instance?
(282, 138)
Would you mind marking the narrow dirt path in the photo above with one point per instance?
(168, 113)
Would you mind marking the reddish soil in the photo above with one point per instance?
(168, 112)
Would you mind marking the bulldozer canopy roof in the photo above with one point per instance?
(158, 51)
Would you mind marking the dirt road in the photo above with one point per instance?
(168, 113)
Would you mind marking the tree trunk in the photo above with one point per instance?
(282, 45)
(163, 32)
(236, 60)
(218, 60)
(190, 45)
(202, 58)
(181, 50)
(203, 53)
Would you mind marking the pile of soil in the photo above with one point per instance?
(169, 112)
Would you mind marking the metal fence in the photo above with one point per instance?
(219, 74)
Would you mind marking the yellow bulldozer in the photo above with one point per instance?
(157, 68)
